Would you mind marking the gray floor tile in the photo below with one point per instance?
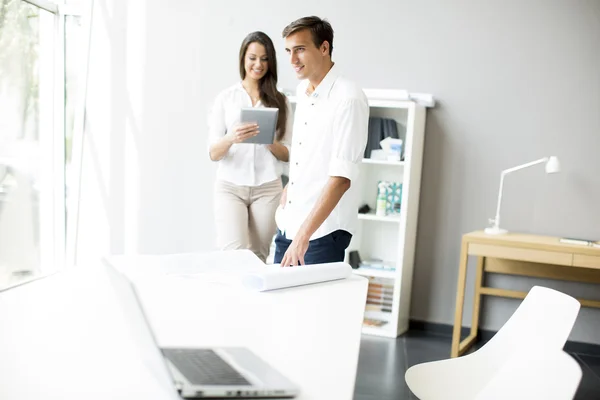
(422, 348)
(381, 368)
(396, 396)
(383, 362)
(589, 388)
(592, 361)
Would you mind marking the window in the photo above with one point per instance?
(39, 79)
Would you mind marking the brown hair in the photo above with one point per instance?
(269, 95)
(320, 30)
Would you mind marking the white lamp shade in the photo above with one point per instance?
(552, 165)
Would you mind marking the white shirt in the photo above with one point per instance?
(245, 164)
(330, 135)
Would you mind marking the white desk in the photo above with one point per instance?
(65, 337)
(310, 333)
(75, 346)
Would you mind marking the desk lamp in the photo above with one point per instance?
(552, 166)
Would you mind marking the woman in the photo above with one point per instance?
(248, 185)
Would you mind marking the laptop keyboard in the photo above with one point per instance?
(204, 367)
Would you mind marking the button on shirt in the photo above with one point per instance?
(245, 164)
(330, 135)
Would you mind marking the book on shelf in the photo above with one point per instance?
(379, 284)
(377, 308)
(379, 291)
(380, 281)
(374, 322)
(380, 303)
(378, 265)
(378, 297)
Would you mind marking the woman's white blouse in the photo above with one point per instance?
(245, 164)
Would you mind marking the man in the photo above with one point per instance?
(319, 205)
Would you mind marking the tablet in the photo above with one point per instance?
(266, 118)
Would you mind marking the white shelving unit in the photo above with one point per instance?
(391, 238)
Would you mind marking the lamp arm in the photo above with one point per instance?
(502, 175)
(497, 217)
(555, 167)
(529, 164)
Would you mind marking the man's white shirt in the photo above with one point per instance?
(330, 135)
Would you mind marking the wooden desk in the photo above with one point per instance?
(518, 254)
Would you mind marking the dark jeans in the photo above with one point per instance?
(326, 249)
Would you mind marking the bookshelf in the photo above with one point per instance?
(390, 238)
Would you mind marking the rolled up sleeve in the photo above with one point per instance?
(350, 138)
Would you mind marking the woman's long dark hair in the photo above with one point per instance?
(269, 95)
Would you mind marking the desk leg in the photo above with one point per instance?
(460, 299)
(477, 296)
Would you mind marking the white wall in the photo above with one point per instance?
(515, 81)
(155, 69)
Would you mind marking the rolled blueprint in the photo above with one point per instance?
(277, 277)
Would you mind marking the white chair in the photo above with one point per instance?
(542, 323)
(549, 375)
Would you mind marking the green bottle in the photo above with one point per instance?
(381, 200)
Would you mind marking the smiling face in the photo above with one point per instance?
(256, 61)
(309, 61)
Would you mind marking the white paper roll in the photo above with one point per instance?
(277, 277)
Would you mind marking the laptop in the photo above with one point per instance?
(200, 373)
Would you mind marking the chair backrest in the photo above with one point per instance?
(536, 332)
(541, 323)
(534, 375)
(543, 320)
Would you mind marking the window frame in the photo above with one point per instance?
(59, 250)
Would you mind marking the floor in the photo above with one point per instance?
(383, 362)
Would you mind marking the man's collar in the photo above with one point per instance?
(323, 89)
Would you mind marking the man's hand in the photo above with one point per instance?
(295, 252)
(332, 193)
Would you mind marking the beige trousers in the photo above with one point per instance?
(245, 216)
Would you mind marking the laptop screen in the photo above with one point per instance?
(137, 321)
(73, 335)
